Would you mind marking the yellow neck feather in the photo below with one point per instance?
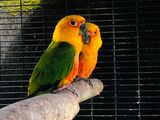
(70, 36)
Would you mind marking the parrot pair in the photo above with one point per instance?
(72, 52)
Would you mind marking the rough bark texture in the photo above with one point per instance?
(64, 105)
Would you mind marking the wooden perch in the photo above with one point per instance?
(64, 105)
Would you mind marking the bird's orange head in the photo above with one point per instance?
(95, 41)
(68, 30)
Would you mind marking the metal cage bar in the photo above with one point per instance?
(128, 63)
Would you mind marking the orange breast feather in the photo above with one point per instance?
(87, 64)
(71, 76)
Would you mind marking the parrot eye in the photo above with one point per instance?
(95, 32)
(73, 23)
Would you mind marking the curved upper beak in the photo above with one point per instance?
(85, 34)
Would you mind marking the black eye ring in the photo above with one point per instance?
(73, 23)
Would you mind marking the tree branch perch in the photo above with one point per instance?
(63, 105)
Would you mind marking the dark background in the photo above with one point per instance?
(129, 60)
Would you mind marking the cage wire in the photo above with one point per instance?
(128, 62)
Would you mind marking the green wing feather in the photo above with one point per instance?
(54, 65)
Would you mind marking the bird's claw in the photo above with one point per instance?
(89, 82)
(72, 91)
(77, 78)
(86, 80)
(55, 91)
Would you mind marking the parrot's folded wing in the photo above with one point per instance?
(56, 63)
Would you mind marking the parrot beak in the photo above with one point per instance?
(86, 38)
(85, 34)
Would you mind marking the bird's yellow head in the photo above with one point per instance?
(68, 30)
(95, 41)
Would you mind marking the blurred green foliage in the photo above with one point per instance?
(14, 7)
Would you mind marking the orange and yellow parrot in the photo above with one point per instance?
(59, 63)
(89, 54)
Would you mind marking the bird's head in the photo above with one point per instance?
(70, 29)
(95, 41)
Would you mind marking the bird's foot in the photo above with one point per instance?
(85, 79)
(65, 88)
(88, 81)
(72, 91)
(55, 91)
(77, 78)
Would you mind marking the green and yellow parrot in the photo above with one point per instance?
(55, 65)
(89, 54)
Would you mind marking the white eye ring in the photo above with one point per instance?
(73, 23)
